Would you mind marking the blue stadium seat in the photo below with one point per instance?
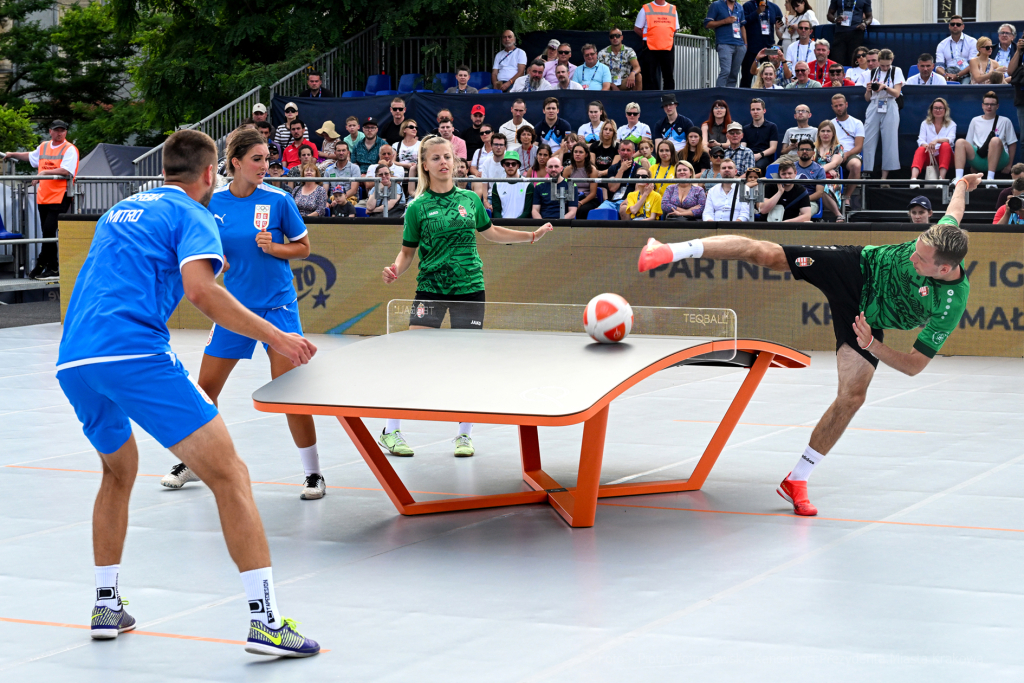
(953, 83)
(408, 82)
(772, 171)
(353, 93)
(375, 84)
(603, 215)
(386, 92)
(480, 79)
(913, 71)
(446, 81)
(489, 91)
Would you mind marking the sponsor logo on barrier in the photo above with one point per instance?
(315, 277)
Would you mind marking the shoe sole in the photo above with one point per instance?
(110, 633)
(465, 455)
(315, 495)
(789, 500)
(172, 485)
(271, 651)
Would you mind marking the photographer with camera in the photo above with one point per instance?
(1012, 212)
(883, 94)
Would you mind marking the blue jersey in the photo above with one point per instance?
(131, 280)
(260, 281)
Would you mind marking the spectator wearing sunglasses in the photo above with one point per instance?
(391, 130)
(564, 53)
(622, 63)
(837, 78)
(985, 70)
(954, 54)
(511, 200)
(643, 203)
(802, 49)
(474, 136)
(802, 81)
(634, 129)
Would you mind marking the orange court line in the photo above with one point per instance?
(825, 519)
(760, 424)
(268, 483)
(155, 634)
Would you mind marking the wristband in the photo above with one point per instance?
(865, 348)
(533, 237)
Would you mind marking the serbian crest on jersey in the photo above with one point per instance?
(923, 291)
(261, 219)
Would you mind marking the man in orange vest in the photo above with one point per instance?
(57, 157)
(657, 24)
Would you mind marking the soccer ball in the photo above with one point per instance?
(608, 318)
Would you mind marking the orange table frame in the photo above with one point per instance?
(576, 504)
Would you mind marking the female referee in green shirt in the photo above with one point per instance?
(442, 222)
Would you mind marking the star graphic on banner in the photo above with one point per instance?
(320, 299)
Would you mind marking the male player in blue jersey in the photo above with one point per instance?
(115, 363)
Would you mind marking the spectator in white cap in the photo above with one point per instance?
(564, 53)
(259, 112)
(550, 53)
(509, 63)
(283, 136)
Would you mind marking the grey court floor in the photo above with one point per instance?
(912, 571)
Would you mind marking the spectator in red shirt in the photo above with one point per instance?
(821, 64)
(290, 156)
(837, 77)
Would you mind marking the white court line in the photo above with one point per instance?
(632, 635)
(29, 410)
(52, 371)
(37, 346)
(808, 423)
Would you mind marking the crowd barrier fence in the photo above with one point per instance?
(340, 290)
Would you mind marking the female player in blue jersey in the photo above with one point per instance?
(254, 219)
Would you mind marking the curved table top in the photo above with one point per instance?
(555, 378)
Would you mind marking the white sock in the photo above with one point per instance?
(991, 175)
(259, 590)
(466, 428)
(804, 466)
(392, 425)
(310, 460)
(959, 174)
(107, 594)
(691, 249)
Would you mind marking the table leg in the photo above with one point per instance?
(579, 506)
(378, 462)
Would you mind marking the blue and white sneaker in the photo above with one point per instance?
(107, 623)
(283, 642)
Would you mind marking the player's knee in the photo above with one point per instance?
(853, 398)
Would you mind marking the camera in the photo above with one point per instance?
(876, 86)
(1014, 204)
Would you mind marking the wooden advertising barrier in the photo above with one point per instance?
(340, 290)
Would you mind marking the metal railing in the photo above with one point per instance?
(344, 68)
(696, 63)
(217, 125)
(431, 56)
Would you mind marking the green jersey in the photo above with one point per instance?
(896, 297)
(444, 227)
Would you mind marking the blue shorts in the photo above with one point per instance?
(223, 343)
(155, 391)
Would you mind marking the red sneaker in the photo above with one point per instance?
(653, 255)
(796, 493)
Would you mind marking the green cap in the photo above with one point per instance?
(513, 155)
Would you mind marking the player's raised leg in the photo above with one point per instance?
(732, 247)
(304, 435)
(213, 375)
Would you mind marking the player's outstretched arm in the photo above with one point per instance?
(496, 233)
(401, 264)
(907, 363)
(217, 304)
(958, 202)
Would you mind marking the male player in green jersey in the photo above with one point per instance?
(869, 290)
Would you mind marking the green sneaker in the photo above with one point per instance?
(283, 642)
(463, 446)
(395, 444)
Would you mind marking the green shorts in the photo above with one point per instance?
(980, 164)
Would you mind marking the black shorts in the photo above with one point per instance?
(466, 310)
(835, 270)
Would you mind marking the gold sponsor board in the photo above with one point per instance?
(340, 289)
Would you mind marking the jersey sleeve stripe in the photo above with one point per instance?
(216, 257)
(271, 188)
(299, 237)
(924, 348)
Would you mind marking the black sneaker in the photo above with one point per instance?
(313, 488)
(48, 274)
(35, 272)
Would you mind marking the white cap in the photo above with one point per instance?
(293, 105)
(259, 108)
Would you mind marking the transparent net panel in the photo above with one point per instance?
(706, 324)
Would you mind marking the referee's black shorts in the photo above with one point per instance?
(835, 270)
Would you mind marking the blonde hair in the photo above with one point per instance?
(307, 166)
(817, 138)
(423, 184)
(984, 41)
(949, 242)
(758, 81)
(687, 164)
(885, 54)
(930, 118)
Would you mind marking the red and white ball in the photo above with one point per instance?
(608, 318)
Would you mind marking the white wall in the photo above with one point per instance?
(923, 11)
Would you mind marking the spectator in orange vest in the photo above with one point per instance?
(657, 23)
(60, 158)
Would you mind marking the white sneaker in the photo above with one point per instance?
(313, 488)
(991, 186)
(179, 476)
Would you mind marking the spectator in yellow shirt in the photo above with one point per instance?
(643, 203)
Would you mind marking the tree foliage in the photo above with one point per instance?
(16, 128)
